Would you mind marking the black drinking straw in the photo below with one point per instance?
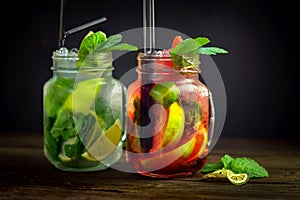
(83, 26)
(61, 24)
(64, 34)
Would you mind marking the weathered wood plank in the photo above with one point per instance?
(26, 174)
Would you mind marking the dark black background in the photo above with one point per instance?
(259, 72)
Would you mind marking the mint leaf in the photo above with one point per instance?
(193, 113)
(89, 43)
(210, 50)
(123, 47)
(85, 125)
(248, 166)
(182, 51)
(111, 41)
(51, 143)
(238, 165)
(97, 42)
(165, 93)
(72, 147)
(58, 89)
(202, 40)
(226, 160)
(63, 122)
(185, 47)
(244, 165)
(106, 114)
(195, 46)
(208, 168)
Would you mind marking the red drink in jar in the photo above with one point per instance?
(168, 117)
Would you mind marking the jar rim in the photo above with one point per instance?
(161, 54)
(167, 71)
(149, 59)
(82, 69)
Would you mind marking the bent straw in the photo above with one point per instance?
(63, 35)
(84, 26)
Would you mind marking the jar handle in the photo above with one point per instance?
(211, 120)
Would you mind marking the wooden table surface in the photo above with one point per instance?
(26, 174)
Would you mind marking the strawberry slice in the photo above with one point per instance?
(177, 39)
(166, 62)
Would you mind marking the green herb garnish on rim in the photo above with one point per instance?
(196, 46)
(183, 53)
(98, 42)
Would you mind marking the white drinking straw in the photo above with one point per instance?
(149, 25)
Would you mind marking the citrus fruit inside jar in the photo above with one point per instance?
(169, 113)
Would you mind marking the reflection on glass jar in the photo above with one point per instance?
(168, 118)
(83, 113)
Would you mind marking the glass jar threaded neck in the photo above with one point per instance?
(66, 63)
(165, 63)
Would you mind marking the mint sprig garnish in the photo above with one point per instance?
(210, 50)
(98, 42)
(89, 43)
(182, 54)
(237, 165)
(113, 43)
(195, 46)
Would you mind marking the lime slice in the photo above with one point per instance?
(83, 96)
(220, 173)
(237, 179)
(105, 144)
(64, 158)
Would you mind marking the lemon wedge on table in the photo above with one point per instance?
(105, 144)
(236, 179)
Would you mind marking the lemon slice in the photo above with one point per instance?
(220, 173)
(237, 179)
(172, 132)
(175, 125)
(105, 144)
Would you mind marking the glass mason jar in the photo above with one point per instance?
(169, 118)
(83, 113)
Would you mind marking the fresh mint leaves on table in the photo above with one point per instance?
(242, 165)
(238, 165)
